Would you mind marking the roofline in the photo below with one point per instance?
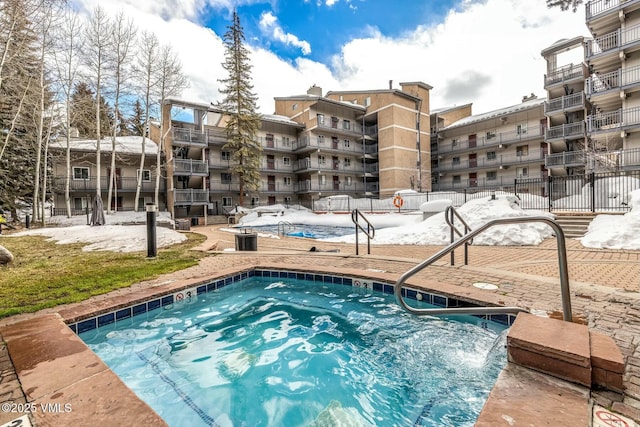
(319, 99)
(500, 112)
(364, 92)
(447, 109)
(563, 45)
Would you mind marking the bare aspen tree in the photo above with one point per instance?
(148, 51)
(97, 56)
(124, 35)
(69, 45)
(171, 82)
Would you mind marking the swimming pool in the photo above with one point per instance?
(288, 352)
(304, 230)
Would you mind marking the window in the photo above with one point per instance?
(286, 161)
(347, 143)
(320, 139)
(320, 119)
(492, 175)
(294, 107)
(455, 161)
(80, 203)
(287, 181)
(521, 129)
(349, 180)
(346, 125)
(225, 155)
(146, 174)
(255, 201)
(287, 200)
(522, 150)
(347, 163)
(522, 172)
(286, 141)
(367, 101)
(323, 179)
(456, 179)
(227, 201)
(454, 142)
(491, 155)
(334, 122)
(491, 134)
(322, 160)
(225, 178)
(80, 173)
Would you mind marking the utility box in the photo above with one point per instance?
(246, 242)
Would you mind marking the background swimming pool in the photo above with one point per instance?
(308, 231)
(284, 352)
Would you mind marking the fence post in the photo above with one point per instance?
(592, 180)
(465, 197)
(549, 190)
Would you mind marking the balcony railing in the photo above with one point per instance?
(277, 143)
(89, 184)
(613, 80)
(276, 165)
(616, 39)
(216, 136)
(219, 186)
(328, 187)
(495, 162)
(502, 138)
(328, 144)
(613, 120)
(566, 159)
(566, 73)
(328, 165)
(190, 167)
(188, 137)
(275, 187)
(190, 196)
(568, 130)
(595, 8)
(564, 103)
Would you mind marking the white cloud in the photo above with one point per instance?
(487, 53)
(269, 26)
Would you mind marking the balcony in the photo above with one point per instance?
(190, 167)
(566, 159)
(190, 196)
(565, 75)
(216, 136)
(275, 187)
(312, 143)
(494, 140)
(565, 104)
(313, 164)
(313, 186)
(188, 137)
(88, 185)
(346, 127)
(566, 131)
(220, 186)
(502, 161)
(614, 121)
(613, 42)
(276, 165)
(601, 9)
(271, 143)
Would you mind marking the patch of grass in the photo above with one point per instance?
(45, 274)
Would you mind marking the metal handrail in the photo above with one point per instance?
(449, 216)
(288, 224)
(562, 261)
(370, 231)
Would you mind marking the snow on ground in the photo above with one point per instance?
(435, 231)
(114, 236)
(616, 231)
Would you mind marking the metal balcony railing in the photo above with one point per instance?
(190, 196)
(614, 40)
(613, 120)
(566, 159)
(495, 162)
(566, 73)
(595, 8)
(617, 79)
(89, 184)
(564, 103)
(501, 138)
(188, 137)
(328, 187)
(566, 131)
(190, 166)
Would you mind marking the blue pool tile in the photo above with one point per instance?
(388, 289)
(378, 287)
(308, 277)
(317, 278)
(201, 290)
(283, 274)
(125, 313)
(252, 273)
(220, 284)
(411, 294)
(292, 275)
(74, 327)
(168, 300)
(327, 279)
(139, 309)
(106, 319)
(427, 298)
(258, 273)
(337, 280)
(228, 281)
(439, 301)
(87, 325)
(211, 287)
(237, 278)
(153, 304)
(347, 281)
(300, 276)
(244, 275)
(512, 318)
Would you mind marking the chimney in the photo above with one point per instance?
(315, 90)
(529, 98)
(390, 84)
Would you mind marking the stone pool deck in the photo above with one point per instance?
(605, 291)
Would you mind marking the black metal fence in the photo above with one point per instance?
(593, 192)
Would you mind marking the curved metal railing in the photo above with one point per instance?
(450, 214)
(285, 224)
(370, 231)
(562, 261)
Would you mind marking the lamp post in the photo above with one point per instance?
(152, 248)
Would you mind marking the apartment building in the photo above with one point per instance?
(489, 150)
(439, 119)
(83, 173)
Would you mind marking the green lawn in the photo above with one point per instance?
(45, 274)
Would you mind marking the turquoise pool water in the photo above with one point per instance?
(306, 231)
(286, 352)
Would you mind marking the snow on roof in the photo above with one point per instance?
(280, 119)
(124, 144)
(452, 108)
(497, 113)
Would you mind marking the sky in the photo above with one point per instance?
(605, 232)
(482, 51)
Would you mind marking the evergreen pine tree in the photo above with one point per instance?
(136, 123)
(83, 111)
(240, 103)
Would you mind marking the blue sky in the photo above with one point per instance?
(485, 52)
(326, 27)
